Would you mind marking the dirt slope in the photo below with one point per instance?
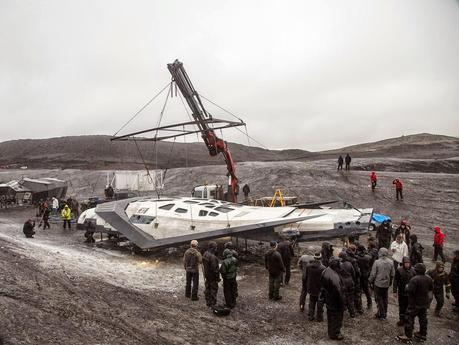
(98, 152)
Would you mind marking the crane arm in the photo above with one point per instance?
(214, 144)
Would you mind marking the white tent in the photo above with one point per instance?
(137, 181)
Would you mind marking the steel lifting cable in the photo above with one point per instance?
(237, 117)
(142, 108)
(155, 147)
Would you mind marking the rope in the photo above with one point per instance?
(227, 111)
(143, 107)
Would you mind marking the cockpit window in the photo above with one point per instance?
(181, 210)
(224, 209)
(203, 213)
(167, 207)
(141, 219)
(213, 214)
(190, 202)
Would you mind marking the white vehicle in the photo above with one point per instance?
(151, 223)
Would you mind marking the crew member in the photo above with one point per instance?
(373, 180)
(285, 249)
(66, 215)
(416, 251)
(340, 162)
(381, 277)
(399, 250)
(384, 234)
(28, 228)
(398, 188)
(439, 239)
(191, 261)
(228, 270)
(211, 274)
(440, 284)
(246, 191)
(314, 271)
(275, 267)
(364, 262)
(419, 291)
(303, 262)
(454, 280)
(403, 275)
(332, 292)
(348, 161)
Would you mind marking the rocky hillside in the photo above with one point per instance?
(98, 152)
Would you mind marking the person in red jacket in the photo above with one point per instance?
(374, 180)
(398, 188)
(439, 238)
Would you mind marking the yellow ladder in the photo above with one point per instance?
(280, 195)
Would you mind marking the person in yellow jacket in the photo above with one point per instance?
(66, 215)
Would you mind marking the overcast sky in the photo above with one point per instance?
(302, 74)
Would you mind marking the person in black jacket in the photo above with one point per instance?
(313, 273)
(28, 228)
(364, 262)
(372, 250)
(352, 258)
(348, 160)
(340, 162)
(275, 267)
(246, 191)
(347, 274)
(46, 215)
(332, 292)
(285, 249)
(326, 252)
(403, 275)
(441, 283)
(415, 251)
(454, 280)
(419, 291)
(211, 274)
(384, 234)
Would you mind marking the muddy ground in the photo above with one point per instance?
(56, 290)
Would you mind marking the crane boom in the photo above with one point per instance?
(214, 144)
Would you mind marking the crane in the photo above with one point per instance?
(202, 119)
(214, 144)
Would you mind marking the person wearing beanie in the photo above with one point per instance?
(333, 295)
(228, 270)
(381, 277)
(419, 291)
(416, 251)
(313, 273)
(275, 267)
(439, 239)
(403, 275)
(191, 261)
(441, 283)
(454, 280)
(211, 274)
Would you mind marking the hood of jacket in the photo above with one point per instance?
(383, 253)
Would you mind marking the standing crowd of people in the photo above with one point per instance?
(52, 207)
(337, 283)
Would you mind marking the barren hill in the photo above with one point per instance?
(98, 152)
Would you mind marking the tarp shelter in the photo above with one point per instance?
(137, 181)
(45, 188)
(14, 192)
